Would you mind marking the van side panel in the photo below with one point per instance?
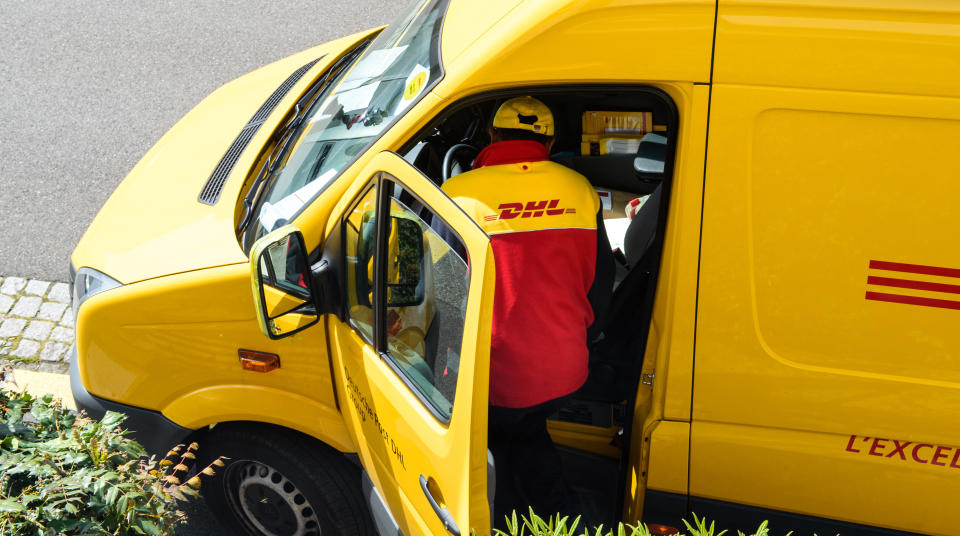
(907, 47)
(826, 381)
(170, 345)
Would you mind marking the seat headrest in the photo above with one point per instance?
(651, 156)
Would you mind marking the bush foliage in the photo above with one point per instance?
(534, 525)
(61, 473)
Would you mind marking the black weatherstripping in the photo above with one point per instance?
(210, 193)
(669, 508)
(666, 508)
(749, 517)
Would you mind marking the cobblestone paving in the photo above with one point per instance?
(36, 324)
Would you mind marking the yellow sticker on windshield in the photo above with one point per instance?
(416, 82)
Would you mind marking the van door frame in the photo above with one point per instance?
(673, 137)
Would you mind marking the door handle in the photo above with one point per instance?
(442, 513)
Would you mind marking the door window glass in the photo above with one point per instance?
(359, 241)
(427, 278)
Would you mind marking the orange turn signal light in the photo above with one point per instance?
(258, 361)
(662, 530)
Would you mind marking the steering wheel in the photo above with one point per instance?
(448, 158)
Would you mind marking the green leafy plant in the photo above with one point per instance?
(61, 473)
(700, 527)
(534, 525)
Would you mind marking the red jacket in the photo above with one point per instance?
(544, 225)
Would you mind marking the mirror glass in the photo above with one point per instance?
(282, 277)
(404, 275)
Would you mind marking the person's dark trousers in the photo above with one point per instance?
(527, 463)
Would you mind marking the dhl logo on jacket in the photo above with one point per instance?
(542, 220)
(508, 198)
(535, 209)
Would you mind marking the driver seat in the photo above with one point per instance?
(615, 358)
(642, 229)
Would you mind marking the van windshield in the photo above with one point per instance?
(391, 75)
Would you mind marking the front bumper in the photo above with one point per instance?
(151, 429)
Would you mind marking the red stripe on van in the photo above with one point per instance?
(913, 300)
(916, 285)
(914, 268)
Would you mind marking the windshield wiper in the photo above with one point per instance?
(321, 158)
(279, 150)
(285, 135)
(249, 199)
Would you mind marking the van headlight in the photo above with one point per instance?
(86, 282)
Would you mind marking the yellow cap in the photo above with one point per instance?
(525, 113)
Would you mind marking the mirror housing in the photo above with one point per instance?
(282, 283)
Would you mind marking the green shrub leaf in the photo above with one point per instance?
(112, 419)
(150, 527)
(63, 474)
(7, 506)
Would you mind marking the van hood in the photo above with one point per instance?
(154, 224)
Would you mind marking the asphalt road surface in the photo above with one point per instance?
(87, 87)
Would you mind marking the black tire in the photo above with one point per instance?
(278, 482)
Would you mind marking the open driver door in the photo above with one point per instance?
(412, 350)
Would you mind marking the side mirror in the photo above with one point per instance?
(282, 283)
(405, 263)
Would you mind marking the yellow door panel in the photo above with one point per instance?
(828, 303)
(402, 436)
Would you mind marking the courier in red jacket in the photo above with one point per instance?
(554, 273)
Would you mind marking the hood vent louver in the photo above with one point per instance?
(210, 193)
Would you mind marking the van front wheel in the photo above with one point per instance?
(277, 482)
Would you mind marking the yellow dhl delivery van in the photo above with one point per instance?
(782, 343)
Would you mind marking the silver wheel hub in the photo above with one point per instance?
(272, 503)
